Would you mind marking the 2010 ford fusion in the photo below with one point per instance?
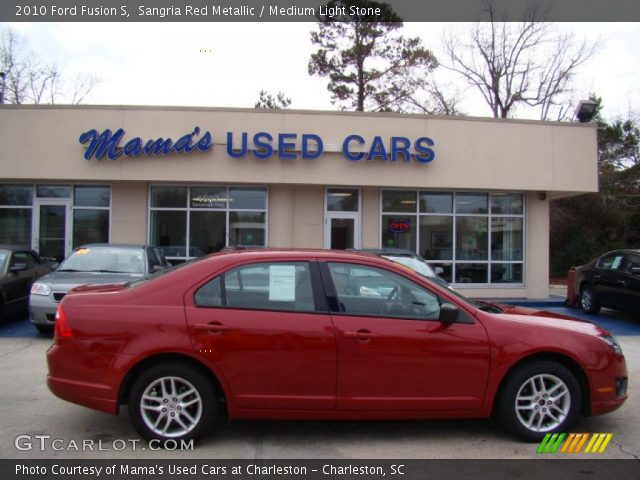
(322, 335)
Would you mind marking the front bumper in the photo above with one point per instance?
(42, 310)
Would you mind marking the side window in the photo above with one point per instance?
(210, 294)
(152, 259)
(631, 261)
(611, 262)
(372, 291)
(261, 286)
(22, 257)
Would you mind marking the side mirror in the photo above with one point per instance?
(635, 270)
(54, 266)
(18, 267)
(438, 270)
(448, 314)
(157, 268)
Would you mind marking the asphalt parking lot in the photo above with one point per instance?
(30, 409)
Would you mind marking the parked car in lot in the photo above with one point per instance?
(93, 264)
(322, 335)
(611, 280)
(19, 268)
(408, 259)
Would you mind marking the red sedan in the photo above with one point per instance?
(322, 335)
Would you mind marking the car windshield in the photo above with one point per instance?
(107, 259)
(414, 264)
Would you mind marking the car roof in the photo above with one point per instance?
(388, 251)
(320, 253)
(621, 250)
(15, 247)
(117, 245)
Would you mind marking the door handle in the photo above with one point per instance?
(361, 335)
(597, 277)
(211, 327)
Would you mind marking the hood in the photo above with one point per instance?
(535, 312)
(541, 318)
(65, 281)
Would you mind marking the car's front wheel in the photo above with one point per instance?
(588, 301)
(539, 398)
(172, 401)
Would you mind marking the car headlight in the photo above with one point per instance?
(615, 346)
(40, 289)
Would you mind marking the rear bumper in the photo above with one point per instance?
(91, 395)
(73, 378)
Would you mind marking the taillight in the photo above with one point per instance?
(61, 327)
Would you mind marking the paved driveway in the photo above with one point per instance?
(30, 409)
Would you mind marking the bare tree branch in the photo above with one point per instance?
(526, 63)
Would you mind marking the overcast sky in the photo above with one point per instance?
(227, 64)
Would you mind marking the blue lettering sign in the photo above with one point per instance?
(310, 146)
(354, 157)
(107, 143)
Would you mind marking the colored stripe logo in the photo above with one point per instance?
(574, 443)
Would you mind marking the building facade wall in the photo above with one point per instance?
(535, 161)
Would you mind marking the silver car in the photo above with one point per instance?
(93, 264)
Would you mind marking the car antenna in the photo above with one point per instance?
(232, 242)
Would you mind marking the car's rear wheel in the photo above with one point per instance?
(539, 398)
(172, 401)
(588, 301)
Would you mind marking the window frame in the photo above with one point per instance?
(454, 262)
(332, 295)
(317, 289)
(188, 209)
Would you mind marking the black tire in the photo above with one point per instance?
(517, 386)
(203, 412)
(588, 300)
(44, 329)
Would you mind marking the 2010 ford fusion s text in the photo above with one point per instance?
(306, 334)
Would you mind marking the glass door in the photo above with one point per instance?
(52, 228)
(342, 230)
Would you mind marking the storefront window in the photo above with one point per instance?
(436, 202)
(16, 194)
(91, 196)
(247, 228)
(399, 201)
(88, 222)
(436, 237)
(169, 197)
(90, 226)
(474, 237)
(191, 221)
(208, 197)
(15, 226)
(54, 191)
(342, 200)
(471, 238)
(471, 203)
(506, 238)
(399, 231)
(247, 198)
(207, 232)
(506, 203)
(169, 232)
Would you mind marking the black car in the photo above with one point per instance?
(19, 268)
(611, 280)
